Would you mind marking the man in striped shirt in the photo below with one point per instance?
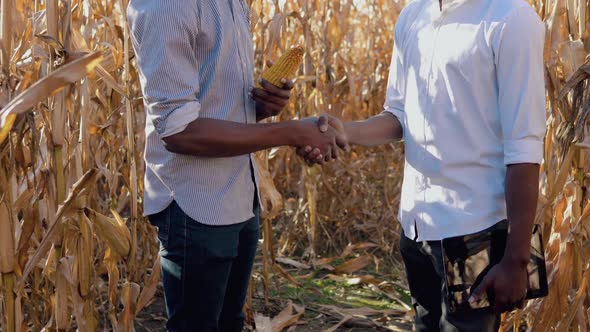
(195, 60)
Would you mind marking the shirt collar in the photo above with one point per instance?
(448, 5)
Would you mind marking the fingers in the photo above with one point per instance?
(303, 151)
(319, 157)
(342, 142)
(480, 290)
(328, 145)
(333, 134)
(311, 156)
(334, 149)
(271, 100)
(288, 84)
(323, 123)
(266, 108)
(335, 152)
(330, 154)
(335, 122)
(504, 304)
(284, 92)
(267, 97)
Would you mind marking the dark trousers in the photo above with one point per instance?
(425, 271)
(205, 270)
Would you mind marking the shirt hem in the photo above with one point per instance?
(202, 219)
(465, 230)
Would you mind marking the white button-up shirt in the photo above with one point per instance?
(467, 85)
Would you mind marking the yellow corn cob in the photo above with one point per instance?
(285, 67)
(6, 125)
(112, 230)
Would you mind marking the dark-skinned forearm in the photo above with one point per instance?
(212, 138)
(522, 191)
(377, 130)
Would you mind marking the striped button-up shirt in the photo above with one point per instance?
(467, 84)
(195, 59)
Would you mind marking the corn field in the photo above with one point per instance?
(75, 251)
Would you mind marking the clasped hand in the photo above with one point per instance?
(319, 138)
(322, 138)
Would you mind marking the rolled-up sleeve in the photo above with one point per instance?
(395, 96)
(521, 87)
(163, 36)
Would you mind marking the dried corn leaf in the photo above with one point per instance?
(55, 227)
(149, 290)
(358, 246)
(353, 265)
(129, 295)
(292, 262)
(46, 87)
(286, 275)
(274, 35)
(268, 191)
(288, 317)
(7, 254)
(572, 55)
(363, 311)
(343, 321)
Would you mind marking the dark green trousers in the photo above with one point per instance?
(205, 270)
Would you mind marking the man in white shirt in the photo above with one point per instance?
(466, 94)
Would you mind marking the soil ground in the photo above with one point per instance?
(378, 305)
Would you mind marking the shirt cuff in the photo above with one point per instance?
(400, 115)
(523, 151)
(177, 120)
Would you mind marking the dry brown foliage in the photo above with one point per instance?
(74, 249)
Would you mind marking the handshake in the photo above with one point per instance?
(317, 140)
(321, 138)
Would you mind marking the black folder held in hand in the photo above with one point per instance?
(468, 258)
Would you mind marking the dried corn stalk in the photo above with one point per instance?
(66, 174)
(70, 151)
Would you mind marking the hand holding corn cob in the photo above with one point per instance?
(273, 91)
(285, 68)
